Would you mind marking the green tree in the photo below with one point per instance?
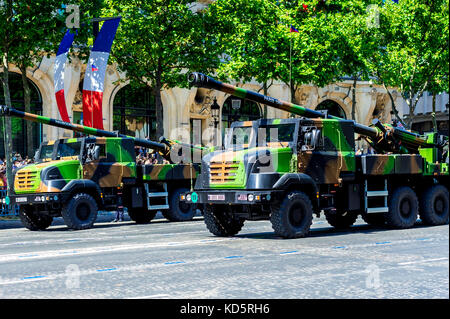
(23, 33)
(313, 54)
(246, 35)
(158, 42)
(412, 52)
(40, 23)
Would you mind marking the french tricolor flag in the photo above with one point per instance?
(94, 77)
(58, 78)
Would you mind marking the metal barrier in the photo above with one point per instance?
(7, 210)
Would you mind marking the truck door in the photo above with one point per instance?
(103, 162)
(326, 152)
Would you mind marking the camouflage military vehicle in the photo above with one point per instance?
(287, 170)
(76, 177)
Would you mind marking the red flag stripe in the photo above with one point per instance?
(92, 108)
(61, 102)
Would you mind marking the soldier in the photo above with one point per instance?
(119, 214)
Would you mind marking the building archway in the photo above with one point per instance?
(134, 112)
(18, 126)
(332, 107)
(248, 111)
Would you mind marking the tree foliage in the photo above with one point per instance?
(157, 43)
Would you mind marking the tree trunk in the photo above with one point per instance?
(265, 90)
(394, 107)
(292, 87)
(433, 113)
(158, 103)
(27, 102)
(7, 126)
(354, 98)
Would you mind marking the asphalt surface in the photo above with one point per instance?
(183, 260)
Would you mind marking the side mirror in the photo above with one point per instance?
(96, 153)
(317, 136)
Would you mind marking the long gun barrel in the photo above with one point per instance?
(384, 137)
(6, 111)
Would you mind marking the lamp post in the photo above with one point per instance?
(235, 105)
(215, 112)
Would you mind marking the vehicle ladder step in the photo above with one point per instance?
(377, 193)
(384, 193)
(377, 210)
(160, 196)
(156, 207)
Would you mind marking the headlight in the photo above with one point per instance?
(188, 197)
(250, 197)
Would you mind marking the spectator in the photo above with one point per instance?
(119, 214)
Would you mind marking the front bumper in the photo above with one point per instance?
(230, 197)
(34, 199)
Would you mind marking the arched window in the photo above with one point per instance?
(332, 107)
(134, 112)
(247, 111)
(18, 126)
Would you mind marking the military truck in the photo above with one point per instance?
(287, 170)
(76, 177)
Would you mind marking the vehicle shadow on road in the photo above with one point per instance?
(106, 223)
(328, 230)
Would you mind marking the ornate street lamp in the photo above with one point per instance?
(215, 113)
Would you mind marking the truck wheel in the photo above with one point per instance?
(220, 222)
(293, 216)
(80, 212)
(434, 206)
(341, 220)
(403, 208)
(142, 215)
(179, 211)
(34, 220)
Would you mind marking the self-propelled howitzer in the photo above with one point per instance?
(76, 177)
(383, 137)
(310, 166)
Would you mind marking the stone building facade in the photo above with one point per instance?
(182, 107)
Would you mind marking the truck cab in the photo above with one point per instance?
(91, 168)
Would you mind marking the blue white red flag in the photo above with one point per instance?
(293, 29)
(94, 78)
(58, 76)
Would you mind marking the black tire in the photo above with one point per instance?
(374, 219)
(34, 220)
(220, 221)
(403, 208)
(179, 211)
(434, 206)
(80, 212)
(293, 216)
(141, 215)
(341, 220)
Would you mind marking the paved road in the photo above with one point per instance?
(183, 260)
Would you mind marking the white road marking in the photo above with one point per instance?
(104, 249)
(422, 261)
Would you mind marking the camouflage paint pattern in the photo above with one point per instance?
(116, 162)
(382, 164)
(165, 172)
(329, 161)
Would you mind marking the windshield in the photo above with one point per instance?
(68, 149)
(240, 137)
(46, 152)
(276, 135)
(63, 150)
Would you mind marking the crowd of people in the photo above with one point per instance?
(148, 157)
(17, 162)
